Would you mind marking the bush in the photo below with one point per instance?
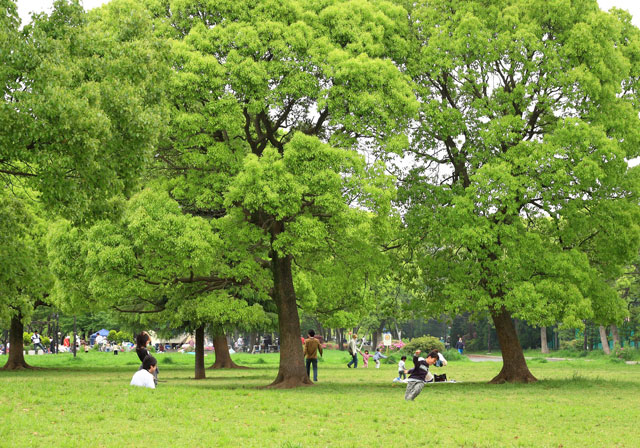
(167, 360)
(113, 336)
(122, 336)
(453, 355)
(46, 341)
(572, 345)
(425, 344)
(625, 353)
(26, 338)
(391, 359)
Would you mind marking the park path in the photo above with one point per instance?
(494, 358)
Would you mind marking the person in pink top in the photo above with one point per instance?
(365, 358)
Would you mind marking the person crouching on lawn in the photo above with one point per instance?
(144, 376)
(418, 377)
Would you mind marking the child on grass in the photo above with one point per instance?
(402, 369)
(377, 356)
(365, 358)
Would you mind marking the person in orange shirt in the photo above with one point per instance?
(311, 348)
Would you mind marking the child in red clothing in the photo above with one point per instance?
(365, 358)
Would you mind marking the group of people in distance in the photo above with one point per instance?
(418, 376)
(147, 374)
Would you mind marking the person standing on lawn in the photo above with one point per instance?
(460, 345)
(353, 349)
(35, 339)
(311, 348)
(419, 373)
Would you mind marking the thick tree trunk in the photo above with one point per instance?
(544, 347)
(253, 338)
(291, 372)
(514, 366)
(221, 349)
(615, 336)
(604, 340)
(200, 372)
(16, 356)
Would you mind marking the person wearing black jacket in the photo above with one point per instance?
(418, 377)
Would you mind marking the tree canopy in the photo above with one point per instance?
(78, 109)
(521, 186)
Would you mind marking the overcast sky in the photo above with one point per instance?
(25, 7)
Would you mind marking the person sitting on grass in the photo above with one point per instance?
(419, 373)
(144, 376)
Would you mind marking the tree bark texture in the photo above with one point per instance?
(615, 336)
(221, 349)
(544, 346)
(16, 356)
(291, 372)
(200, 372)
(604, 340)
(514, 366)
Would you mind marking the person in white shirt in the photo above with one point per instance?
(144, 376)
(402, 369)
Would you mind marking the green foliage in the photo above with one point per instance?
(24, 275)
(626, 353)
(521, 200)
(454, 355)
(572, 345)
(26, 338)
(75, 94)
(113, 336)
(425, 344)
(123, 336)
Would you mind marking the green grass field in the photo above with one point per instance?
(87, 402)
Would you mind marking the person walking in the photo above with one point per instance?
(460, 345)
(35, 339)
(311, 348)
(365, 358)
(353, 350)
(418, 376)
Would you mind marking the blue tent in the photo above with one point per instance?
(92, 338)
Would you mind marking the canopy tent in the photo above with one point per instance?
(102, 332)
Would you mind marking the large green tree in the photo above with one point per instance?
(161, 267)
(270, 101)
(520, 199)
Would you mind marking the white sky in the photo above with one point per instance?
(25, 7)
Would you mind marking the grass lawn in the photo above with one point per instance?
(87, 402)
